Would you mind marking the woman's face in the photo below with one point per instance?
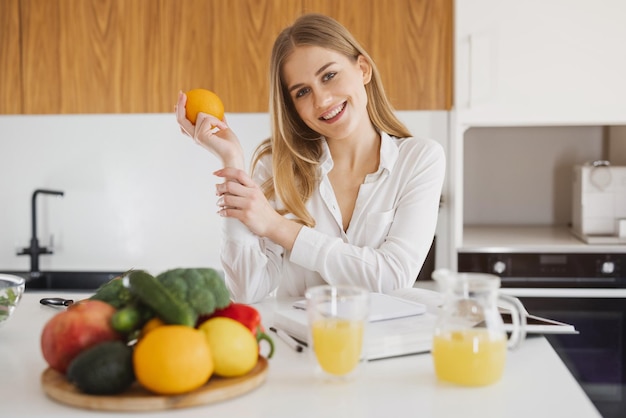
(328, 90)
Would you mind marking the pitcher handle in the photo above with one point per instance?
(518, 315)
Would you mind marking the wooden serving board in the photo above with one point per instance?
(217, 389)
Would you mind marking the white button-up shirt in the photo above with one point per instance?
(384, 247)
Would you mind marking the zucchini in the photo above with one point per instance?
(166, 306)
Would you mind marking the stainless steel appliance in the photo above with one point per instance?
(587, 290)
(599, 203)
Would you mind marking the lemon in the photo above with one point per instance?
(234, 349)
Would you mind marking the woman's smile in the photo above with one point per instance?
(333, 114)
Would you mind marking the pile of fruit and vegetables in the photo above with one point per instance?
(170, 334)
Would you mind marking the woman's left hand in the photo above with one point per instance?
(241, 198)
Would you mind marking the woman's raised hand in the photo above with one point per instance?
(212, 134)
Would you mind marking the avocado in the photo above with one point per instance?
(104, 369)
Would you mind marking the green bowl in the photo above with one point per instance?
(11, 291)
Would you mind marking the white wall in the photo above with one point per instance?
(137, 192)
(523, 175)
(616, 137)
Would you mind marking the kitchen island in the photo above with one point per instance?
(536, 383)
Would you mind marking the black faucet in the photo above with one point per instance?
(35, 250)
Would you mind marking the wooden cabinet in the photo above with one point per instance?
(220, 45)
(410, 41)
(133, 56)
(10, 65)
(83, 56)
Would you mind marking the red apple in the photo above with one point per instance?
(83, 325)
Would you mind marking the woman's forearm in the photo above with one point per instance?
(284, 233)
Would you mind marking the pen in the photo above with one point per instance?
(290, 341)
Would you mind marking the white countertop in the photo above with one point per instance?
(535, 384)
(565, 292)
(528, 239)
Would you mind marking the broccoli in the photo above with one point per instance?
(176, 287)
(202, 288)
(114, 293)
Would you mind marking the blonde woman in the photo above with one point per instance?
(341, 193)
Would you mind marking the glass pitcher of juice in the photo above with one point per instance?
(470, 341)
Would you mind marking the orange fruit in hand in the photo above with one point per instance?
(173, 359)
(205, 101)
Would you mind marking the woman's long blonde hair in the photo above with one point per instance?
(295, 148)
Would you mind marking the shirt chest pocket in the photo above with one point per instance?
(377, 227)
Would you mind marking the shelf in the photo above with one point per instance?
(528, 239)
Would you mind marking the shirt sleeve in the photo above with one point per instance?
(398, 260)
(251, 263)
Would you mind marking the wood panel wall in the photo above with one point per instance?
(410, 41)
(133, 56)
(83, 56)
(10, 58)
(228, 50)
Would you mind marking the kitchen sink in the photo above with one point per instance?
(66, 280)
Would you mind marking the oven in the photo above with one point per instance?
(583, 289)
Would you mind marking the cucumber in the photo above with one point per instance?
(166, 306)
(114, 293)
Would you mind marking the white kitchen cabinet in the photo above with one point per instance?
(550, 76)
(535, 64)
(540, 62)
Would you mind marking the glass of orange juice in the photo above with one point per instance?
(337, 318)
(470, 342)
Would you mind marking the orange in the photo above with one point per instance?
(152, 324)
(173, 359)
(205, 101)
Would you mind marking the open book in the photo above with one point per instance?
(384, 307)
(406, 328)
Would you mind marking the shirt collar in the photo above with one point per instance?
(388, 152)
(388, 155)
(326, 160)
